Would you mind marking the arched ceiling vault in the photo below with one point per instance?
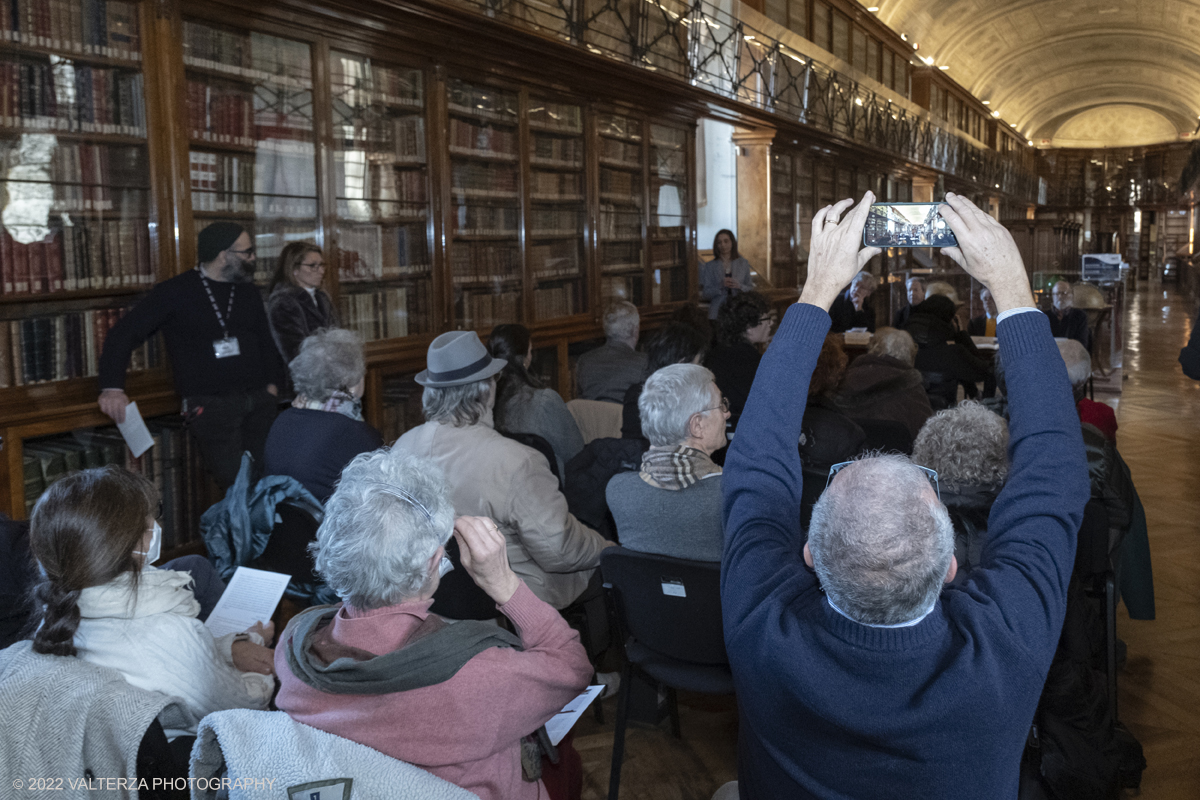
(1042, 63)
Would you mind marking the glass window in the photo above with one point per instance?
(820, 31)
(841, 36)
(858, 49)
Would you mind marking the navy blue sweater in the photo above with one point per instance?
(834, 709)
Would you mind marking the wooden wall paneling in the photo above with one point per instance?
(524, 214)
(437, 127)
(647, 250)
(170, 179)
(591, 190)
(12, 485)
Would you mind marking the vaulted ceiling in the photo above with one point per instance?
(1074, 73)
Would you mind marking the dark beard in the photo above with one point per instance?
(236, 271)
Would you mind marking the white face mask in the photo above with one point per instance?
(155, 549)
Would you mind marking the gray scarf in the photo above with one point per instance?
(434, 654)
(675, 468)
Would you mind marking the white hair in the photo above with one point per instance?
(670, 397)
(881, 543)
(330, 359)
(895, 343)
(1078, 361)
(866, 278)
(621, 320)
(388, 516)
(465, 404)
(965, 445)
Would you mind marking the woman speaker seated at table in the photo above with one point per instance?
(455, 699)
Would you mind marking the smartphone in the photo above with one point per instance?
(907, 225)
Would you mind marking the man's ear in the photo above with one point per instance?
(808, 555)
(693, 427)
(950, 573)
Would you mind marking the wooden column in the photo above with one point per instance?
(754, 198)
(922, 189)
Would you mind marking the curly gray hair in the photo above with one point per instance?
(895, 343)
(881, 542)
(966, 445)
(388, 516)
(621, 320)
(1079, 365)
(331, 359)
(670, 397)
(461, 405)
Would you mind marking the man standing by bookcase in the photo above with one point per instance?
(224, 360)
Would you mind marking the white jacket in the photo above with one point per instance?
(157, 643)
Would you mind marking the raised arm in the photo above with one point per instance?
(1034, 522)
(762, 479)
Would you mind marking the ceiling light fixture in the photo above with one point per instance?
(904, 37)
(995, 113)
(873, 9)
(987, 102)
(944, 67)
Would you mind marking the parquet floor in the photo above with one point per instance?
(1159, 415)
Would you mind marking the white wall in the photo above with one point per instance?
(719, 172)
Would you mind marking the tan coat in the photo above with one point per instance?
(489, 475)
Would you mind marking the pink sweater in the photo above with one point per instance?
(466, 730)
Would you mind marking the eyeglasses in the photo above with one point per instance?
(249, 251)
(765, 319)
(318, 265)
(929, 473)
(724, 406)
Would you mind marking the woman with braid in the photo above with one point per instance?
(94, 535)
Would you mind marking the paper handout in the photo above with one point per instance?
(563, 721)
(134, 431)
(250, 597)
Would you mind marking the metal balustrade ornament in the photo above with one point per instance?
(706, 45)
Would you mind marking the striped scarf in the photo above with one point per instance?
(676, 468)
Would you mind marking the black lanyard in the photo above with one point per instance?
(213, 300)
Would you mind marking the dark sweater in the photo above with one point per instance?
(734, 368)
(941, 709)
(314, 447)
(180, 308)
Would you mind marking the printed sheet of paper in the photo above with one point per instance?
(250, 597)
(563, 721)
(134, 431)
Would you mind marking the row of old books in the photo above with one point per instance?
(667, 254)
(619, 223)
(485, 220)
(106, 28)
(558, 150)
(629, 153)
(222, 182)
(621, 184)
(220, 113)
(172, 465)
(483, 309)
(555, 222)
(555, 185)
(389, 313)
(251, 56)
(554, 301)
(468, 137)
(383, 182)
(90, 254)
(55, 348)
(483, 180)
(554, 260)
(100, 100)
(482, 101)
(373, 253)
(472, 262)
(398, 139)
(358, 83)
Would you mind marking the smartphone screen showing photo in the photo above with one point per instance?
(907, 225)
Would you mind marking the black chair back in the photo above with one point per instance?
(1091, 553)
(669, 605)
(457, 596)
(887, 436)
(287, 549)
(942, 389)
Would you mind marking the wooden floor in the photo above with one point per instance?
(1159, 415)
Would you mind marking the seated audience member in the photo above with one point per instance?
(853, 308)
(672, 507)
(297, 306)
(883, 384)
(324, 428)
(606, 372)
(852, 678)
(675, 343)
(1067, 321)
(943, 350)
(1079, 367)
(492, 476)
(455, 699)
(916, 295)
(743, 326)
(827, 435)
(93, 533)
(985, 323)
(523, 403)
(967, 446)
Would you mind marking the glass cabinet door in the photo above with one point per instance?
(783, 264)
(250, 125)
(382, 193)
(554, 233)
(668, 213)
(621, 256)
(485, 253)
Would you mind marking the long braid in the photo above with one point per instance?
(60, 619)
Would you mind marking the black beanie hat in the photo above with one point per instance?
(215, 238)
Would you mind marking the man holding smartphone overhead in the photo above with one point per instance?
(859, 671)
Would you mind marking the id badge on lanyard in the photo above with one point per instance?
(227, 347)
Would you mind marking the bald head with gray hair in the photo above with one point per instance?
(385, 521)
(1079, 365)
(881, 542)
(622, 322)
(894, 343)
(669, 399)
(965, 445)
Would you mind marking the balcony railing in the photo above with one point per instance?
(710, 47)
